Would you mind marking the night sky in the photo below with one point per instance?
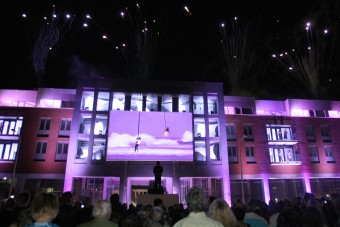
(187, 45)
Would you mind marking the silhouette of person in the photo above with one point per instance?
(285, 134)
(280, 134)
(158, 171)
(138, 141)
(289, 156)
(280, 155)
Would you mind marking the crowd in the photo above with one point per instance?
(46, 209)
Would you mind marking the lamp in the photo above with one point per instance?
(138, 139)
(166, 131)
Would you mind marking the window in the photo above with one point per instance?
(212, 187)
(281, 189)
(8, 150)
(200, 154)
(40, 151)
(321, 113)
(232, 154)
(198, 105)
(100, 126)
(103, 101)
(10, 125)
(215, 151)
(329, 154)
(118, 101)
(87, 100)
(61, 154)
(250, 154)
(213, 128)
(275, 133)
(251, 189)
(98, 151)
(212, 105)
(243, 110)
(231, 132)
(313, 153)
(44, 127)
(326, 136)
(65, 127)
(247, 110)
(83, 149)
(248, 133)
(310, 133)
(199, 127)
(85, 124)
(287, 155)
(323, 186)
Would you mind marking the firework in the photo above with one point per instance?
(311, 64)
(236, 52)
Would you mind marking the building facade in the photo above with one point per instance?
(106, 136)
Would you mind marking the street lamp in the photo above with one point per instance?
(15, 161)
(241, 165)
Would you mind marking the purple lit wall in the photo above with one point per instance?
(154, 146)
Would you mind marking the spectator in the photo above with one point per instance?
(7, 214)
(240, 212)
(66, 216)
(219, 210)
(311, 218)
(290, 217)
(84, 212)
(44, 209)
(330, 214)
(101, 213)
(157, 217)
(23, 201)
(196, 204)
(252, 218)
(278, 208)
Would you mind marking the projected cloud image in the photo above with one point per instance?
(153, 144)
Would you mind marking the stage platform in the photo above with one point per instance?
(168, 199)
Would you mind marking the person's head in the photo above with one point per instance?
(195, 200)
(289, 218)
(219, 210)
(45, 206)
(23, 199)
(102, 208)
(158, 163)
(114, 198)
(312, 217)
(157, 202)
(66, 199)
(239, 213)
(10, 204)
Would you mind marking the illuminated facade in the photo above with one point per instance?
(84, 140)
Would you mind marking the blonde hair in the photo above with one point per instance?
(44, 204)
(102, 208)
(220, 211)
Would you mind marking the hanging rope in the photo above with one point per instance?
(164, 119)
(138, 121)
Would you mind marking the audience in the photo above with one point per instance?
(47, 210)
